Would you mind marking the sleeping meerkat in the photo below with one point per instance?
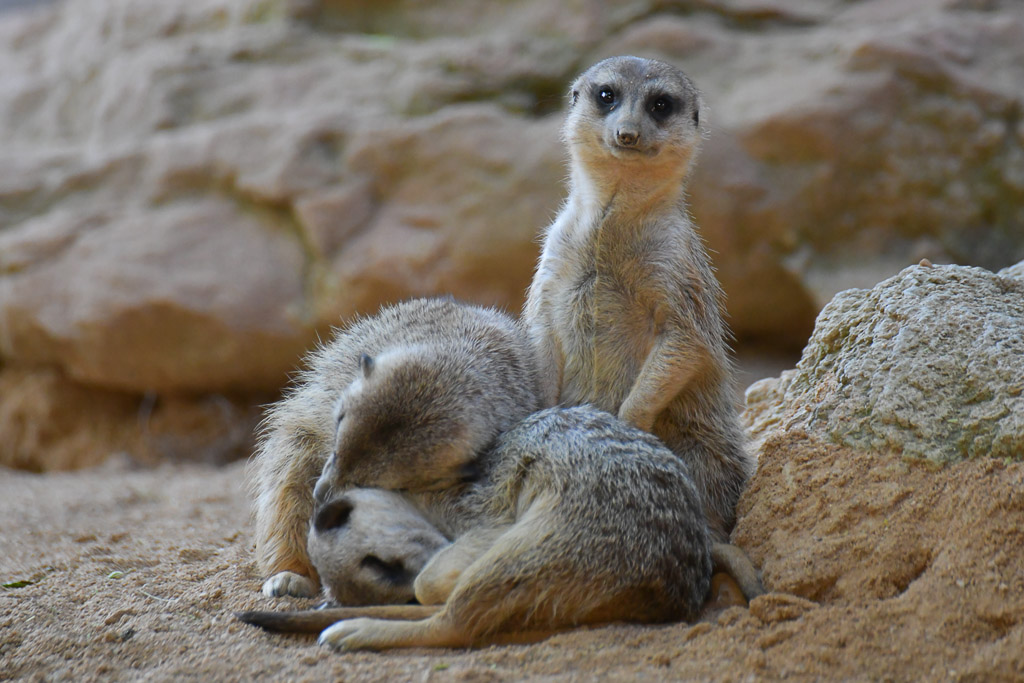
(576, 518)
(449, 376)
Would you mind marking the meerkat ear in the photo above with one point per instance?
(575, 96)
(366, 364)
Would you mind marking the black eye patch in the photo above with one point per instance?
(661, 107)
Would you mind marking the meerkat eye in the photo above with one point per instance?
(606, 96)
(661, 107)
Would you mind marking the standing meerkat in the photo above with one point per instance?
(577, 518)
(624, 310)
(444, 376)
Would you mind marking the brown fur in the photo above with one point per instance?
(444, 380)
(624, 310)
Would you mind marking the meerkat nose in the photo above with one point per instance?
(626, 137)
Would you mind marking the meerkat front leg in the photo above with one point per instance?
(670, 366)
(286, 472)
(436, 581)
(289, 583)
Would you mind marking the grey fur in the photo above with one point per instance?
(577, 518)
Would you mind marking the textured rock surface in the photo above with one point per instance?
(51, 423)
(1015, 271)
(191, 192)
(929, 364)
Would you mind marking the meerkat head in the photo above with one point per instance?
(369, 545)
(635, 114)
(405, 423)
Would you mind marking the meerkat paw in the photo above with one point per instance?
(356, 634)
(289, 583)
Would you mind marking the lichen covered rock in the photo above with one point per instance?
(929, 364)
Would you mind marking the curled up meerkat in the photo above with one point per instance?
(448, 376)
(577, 519)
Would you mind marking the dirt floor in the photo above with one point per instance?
(883, 570)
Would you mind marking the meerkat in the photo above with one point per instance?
(448, 376)
(624, 310)
(369, 546)
(576, 518)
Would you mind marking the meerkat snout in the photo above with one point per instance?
(627, 136)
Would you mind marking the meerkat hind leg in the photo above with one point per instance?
(482, 607)
(380, 634)
(437, 631)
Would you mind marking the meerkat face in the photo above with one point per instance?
(403, 424)
(634, 111)
(369, 545)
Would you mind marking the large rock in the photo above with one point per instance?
(51, 423)
(928, 364)
(890, 482)
(857, 145)
(883, 544)
(192, 297)
(191, 192)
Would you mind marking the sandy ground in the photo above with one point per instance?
(906, 573)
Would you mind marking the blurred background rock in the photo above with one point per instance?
(192, 192)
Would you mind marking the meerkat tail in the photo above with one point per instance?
(733, 561)
(316, 620)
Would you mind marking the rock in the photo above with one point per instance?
(928, 364)
(191, 193)
(857, 529)
(459, 198)
(51, 423)
(1015, 271)
(877, 136)
(192, 297)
